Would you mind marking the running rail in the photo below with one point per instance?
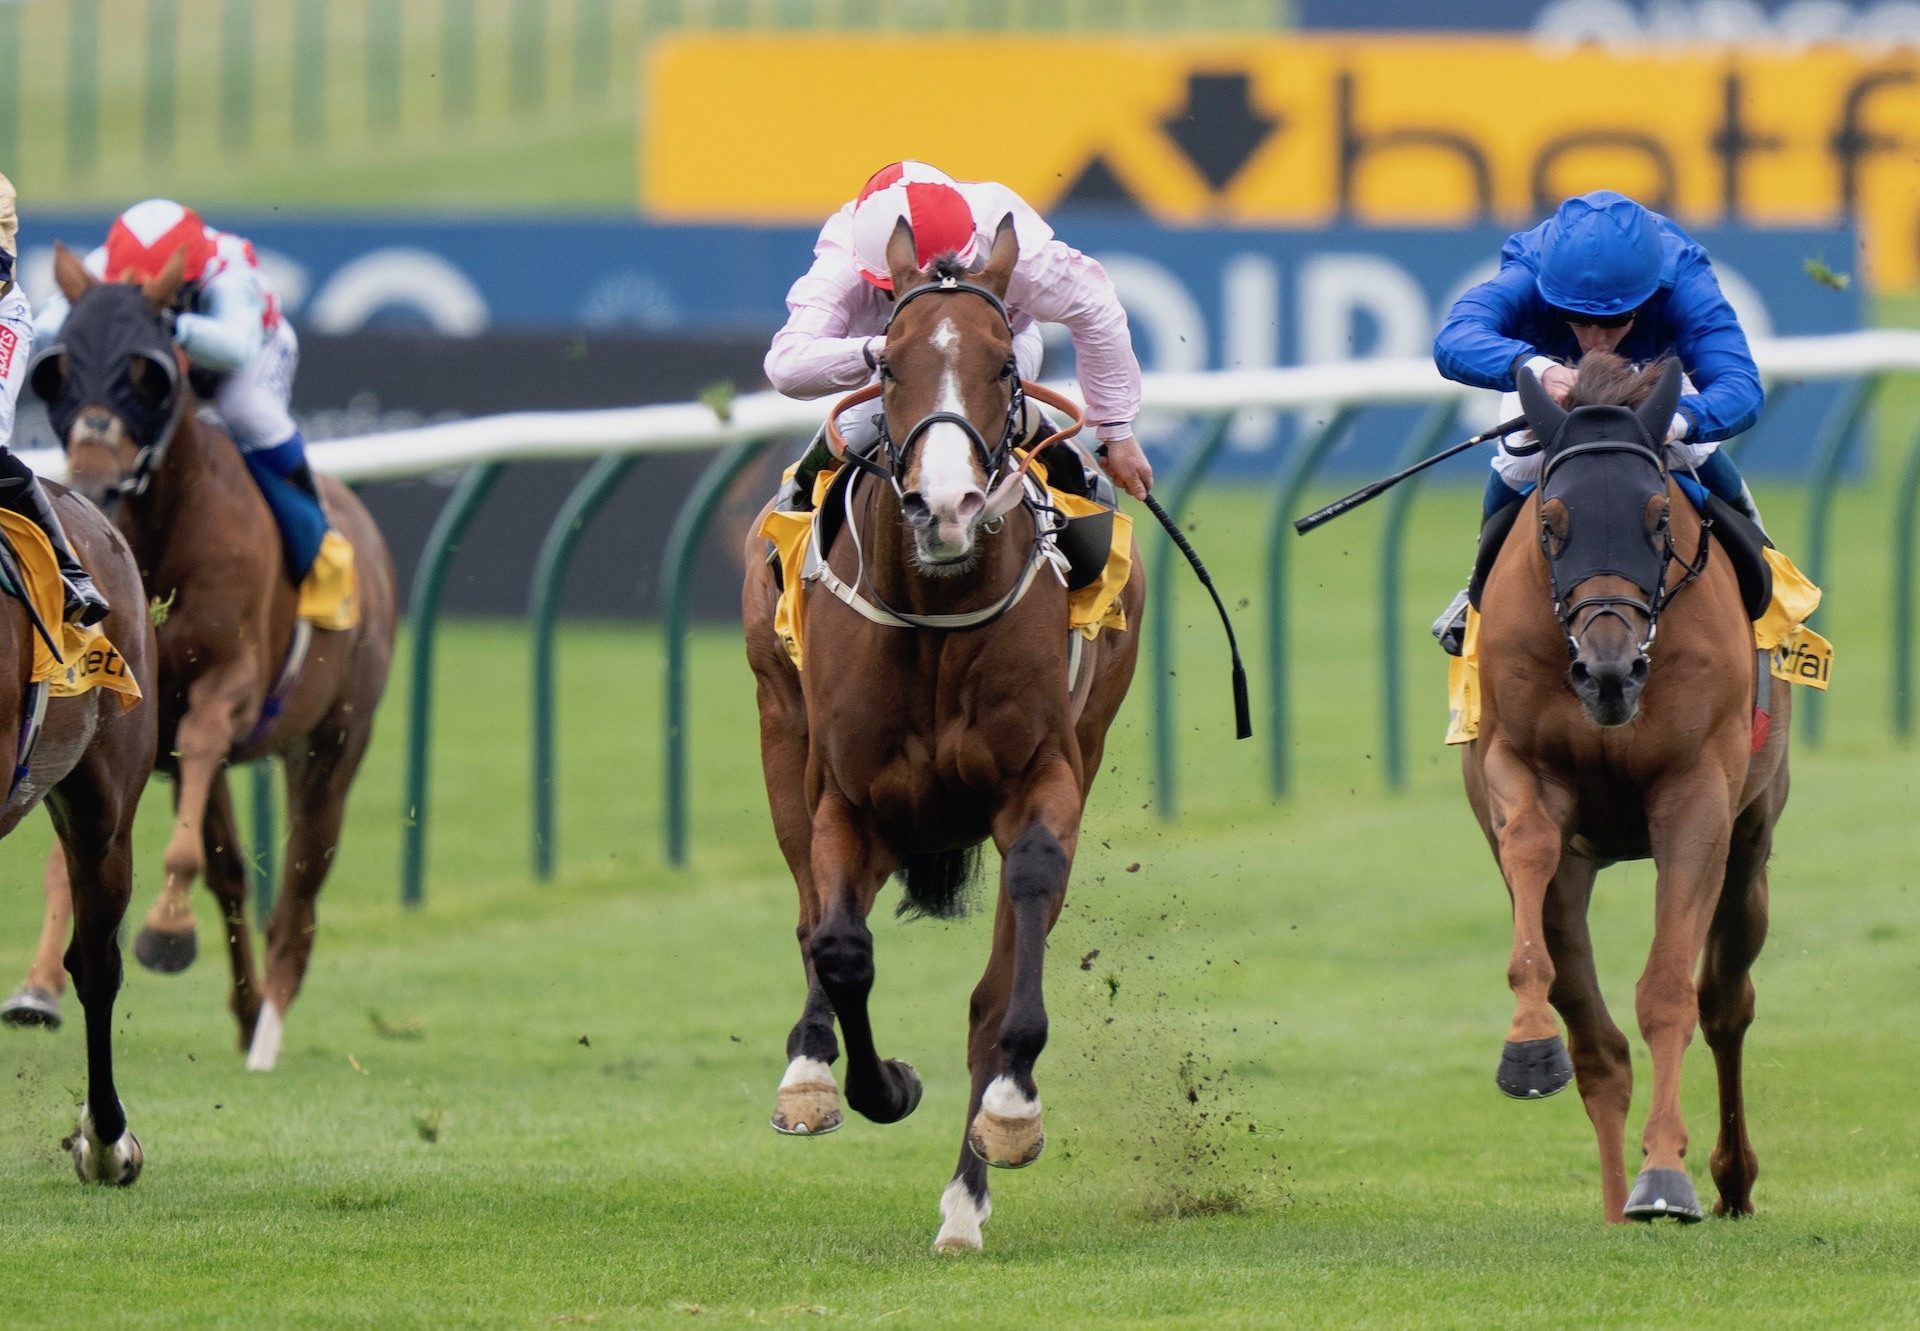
(476, 448)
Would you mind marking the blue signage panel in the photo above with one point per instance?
(1198, 299)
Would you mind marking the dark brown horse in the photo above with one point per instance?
(1601, 741)
(211, 558)
(90, 765)
(908, 741)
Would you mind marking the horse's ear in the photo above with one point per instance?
(69, 273)
(161, 289)
(903, 260)
(1544, 415)
(998, 274)
(1656, 413)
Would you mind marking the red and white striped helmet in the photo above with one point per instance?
(143, 240)
(926, 197)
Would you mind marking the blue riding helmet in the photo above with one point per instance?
(1600, 255)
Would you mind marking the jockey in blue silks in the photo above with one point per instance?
(1603, 274)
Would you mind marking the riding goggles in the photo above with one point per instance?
(1620, 320)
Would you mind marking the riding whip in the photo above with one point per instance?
(11, 571)
(1242, 713)
(1381, 486)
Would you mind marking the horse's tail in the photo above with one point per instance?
(938, 884)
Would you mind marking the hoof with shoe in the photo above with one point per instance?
(1534, 1069)
(116, 1165)
(899, 1097)
(809, 1102)
(165, 951)
(1007, 1133)
(32, 1006)
(1663, 1194)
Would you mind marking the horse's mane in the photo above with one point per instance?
(1607, 379)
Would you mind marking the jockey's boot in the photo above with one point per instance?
(84, 605)
(1451, 627)
(796, 492)
(1750, 510)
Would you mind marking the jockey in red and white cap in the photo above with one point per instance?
(837, 312)
(226, 320)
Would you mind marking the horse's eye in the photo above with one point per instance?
(151, 384)
(885, 370)
(49, 375)
(1008, 370)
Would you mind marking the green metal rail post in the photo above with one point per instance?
(549, 575)
(459, 55)
(307, 91)
(1905, 502)
(263, 866)
(236, 75)
(428, 582)
(1293, 483)
(1426, 436)
(1837, 432)
(83, 86)
(676, 577)
(384, 55)
(1160, 637)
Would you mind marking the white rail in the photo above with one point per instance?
(680, 427)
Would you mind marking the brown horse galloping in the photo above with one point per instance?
(908, 741)
(211, 556)
(1632, 748)
(90, 764)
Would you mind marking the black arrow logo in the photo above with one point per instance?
(1221, 129)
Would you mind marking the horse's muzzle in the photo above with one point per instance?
(1610, 690)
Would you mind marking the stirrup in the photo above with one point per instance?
(84, 605)
(1451, 627)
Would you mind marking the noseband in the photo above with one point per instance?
(1616, 606)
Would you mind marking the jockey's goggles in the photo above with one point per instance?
(1620, 320)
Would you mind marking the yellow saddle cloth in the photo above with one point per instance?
(330, 593)
(87, 660)
(1795, 652)
(1089, 610)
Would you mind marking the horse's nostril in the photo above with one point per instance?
(970, 505)
(96, 422)
(1640, 668)
(1580, 673)
(915, 507)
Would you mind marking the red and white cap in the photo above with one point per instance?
(927, 198)
(143, 240)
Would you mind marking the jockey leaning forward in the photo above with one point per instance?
(837, 312)
(20, 489)
(1603, 274)
(241, 352)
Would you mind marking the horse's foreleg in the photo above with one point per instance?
(1602, 1062)
(227, 879)
(202, 742)
(848, 870)
(37, 1001)
(1036, 836)
(1726, 1004)
(1689, 825)
(965, 1205)
(1534, 1062)
(100, 868)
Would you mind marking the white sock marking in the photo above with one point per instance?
(1005, 1100)
(961, 1217)
(804, 1070)
(265, 1050)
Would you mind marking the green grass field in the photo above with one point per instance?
(1270, 1095)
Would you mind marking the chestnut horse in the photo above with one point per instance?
(910, 739)
(90, 764)
(211, 557)
(1598, 743)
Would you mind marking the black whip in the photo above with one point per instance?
(1242, 713)
(1385, 483)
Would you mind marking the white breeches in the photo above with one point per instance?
(253, 400)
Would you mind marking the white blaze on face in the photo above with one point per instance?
(947, 480)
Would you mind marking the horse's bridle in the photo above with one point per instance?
(1662, 595)
(148, 457)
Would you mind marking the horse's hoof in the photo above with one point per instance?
(164, 951)
(1663, 1194)
(32, 1006)
(960, 1220)
(1007, 1133)
(1534, 1069)
(94, 1161)
(809, 1102)
(898, 1093)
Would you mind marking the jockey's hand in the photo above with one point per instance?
(1128, 465)
(1558, 381)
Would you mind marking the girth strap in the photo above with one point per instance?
(283, 685)
(33, 712)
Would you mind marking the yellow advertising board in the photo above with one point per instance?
(1295, 130)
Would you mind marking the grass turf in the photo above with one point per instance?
(1269, 1095)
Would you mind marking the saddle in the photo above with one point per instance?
(1735, 533)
